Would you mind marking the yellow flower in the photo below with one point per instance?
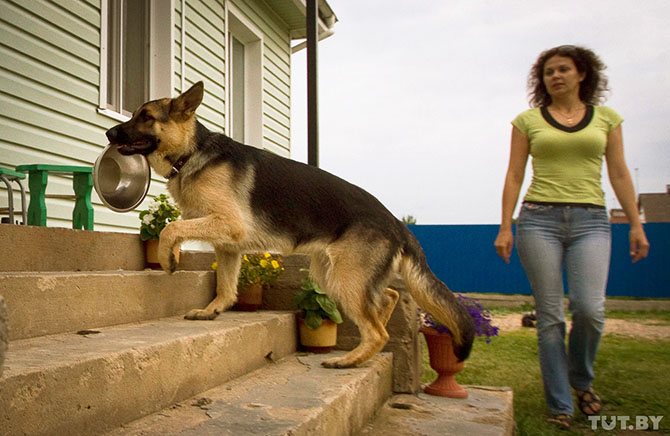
(268, 255)
(263, 263)
(275, 264)
(215, 265)
(246, 259)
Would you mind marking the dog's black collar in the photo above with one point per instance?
(177, 166)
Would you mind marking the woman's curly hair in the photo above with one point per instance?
(591, 91)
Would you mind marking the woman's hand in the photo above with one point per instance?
(639, 246)
(504, 243)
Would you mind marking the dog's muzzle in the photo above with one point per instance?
(117, 136)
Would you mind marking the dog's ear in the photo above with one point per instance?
(185, 105)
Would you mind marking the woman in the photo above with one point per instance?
(563, 222)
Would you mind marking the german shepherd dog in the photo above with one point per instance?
(243, 199)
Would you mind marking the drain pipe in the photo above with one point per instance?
(312, 31)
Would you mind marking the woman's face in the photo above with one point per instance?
(561, 76)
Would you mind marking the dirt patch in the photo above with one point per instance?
(647, 329)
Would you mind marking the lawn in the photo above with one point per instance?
(632, 376)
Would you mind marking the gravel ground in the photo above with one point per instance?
(647, 329)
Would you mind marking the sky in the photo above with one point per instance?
(416, 98)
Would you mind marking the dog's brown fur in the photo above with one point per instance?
(224, 192)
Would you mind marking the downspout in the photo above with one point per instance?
(312, 31)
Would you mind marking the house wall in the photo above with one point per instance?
(50, 79)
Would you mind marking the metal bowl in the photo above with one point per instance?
(121, 181)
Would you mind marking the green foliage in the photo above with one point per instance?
(408, 219)
(260, 268)
(315, 304)
(160, 213)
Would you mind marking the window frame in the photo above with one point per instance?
(247, 33)
(161, 54)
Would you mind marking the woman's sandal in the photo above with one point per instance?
(563, 421)
(589, 402)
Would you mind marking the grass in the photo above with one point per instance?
(631, 376)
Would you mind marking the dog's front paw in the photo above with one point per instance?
(201, 314)
(168, 252)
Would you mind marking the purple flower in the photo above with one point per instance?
(480, 316)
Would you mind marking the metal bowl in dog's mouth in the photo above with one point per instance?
(121, 181)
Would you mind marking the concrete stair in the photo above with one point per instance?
(98, 345)
(296, 396)
(82, 384)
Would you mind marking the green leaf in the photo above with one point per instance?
(313, 320)
(336, 316)
(329, 306)
(326, 303)
(145, 235)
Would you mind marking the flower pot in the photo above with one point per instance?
(320, 340)
(250, 298)
(445, 363)
(151, 253)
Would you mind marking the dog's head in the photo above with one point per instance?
(164, 125)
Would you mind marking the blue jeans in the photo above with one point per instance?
(577, 239)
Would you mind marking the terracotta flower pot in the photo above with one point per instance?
(320, 340)
(445, 363)
(151, 252)
(250, 298)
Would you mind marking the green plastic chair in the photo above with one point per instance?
(8, 176)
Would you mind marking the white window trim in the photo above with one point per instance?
(160, 58)
(252, 37)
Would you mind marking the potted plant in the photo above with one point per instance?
(160, 213)
(441, 351)
(318, 319)
(257, 272)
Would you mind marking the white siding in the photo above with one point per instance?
(50, 76)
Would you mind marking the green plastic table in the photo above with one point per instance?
(82, 183)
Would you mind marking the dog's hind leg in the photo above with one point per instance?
(227, 272)
(371, 323)
(346, 280)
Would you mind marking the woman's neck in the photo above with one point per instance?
(567, 104)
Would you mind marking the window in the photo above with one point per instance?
(237, 89)
(245, 79)
(135, 54)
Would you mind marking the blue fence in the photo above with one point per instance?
(464, 258)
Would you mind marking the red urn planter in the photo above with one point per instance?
(445, 363)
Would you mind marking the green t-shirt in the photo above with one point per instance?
(567, 161)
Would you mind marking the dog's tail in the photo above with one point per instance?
(433, 296)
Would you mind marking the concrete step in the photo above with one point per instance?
(295, 396)
(487, 411)
(72, 384)
(57, 302)
(32, 248)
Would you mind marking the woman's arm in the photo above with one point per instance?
(513, 181)
(625, 193)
